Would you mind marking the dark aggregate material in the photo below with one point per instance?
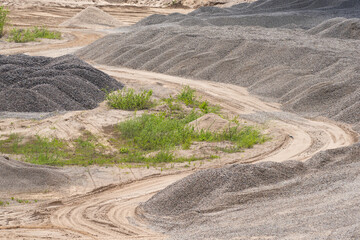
(42, 84)
(311, 64)
(317, 199)
(19, 177)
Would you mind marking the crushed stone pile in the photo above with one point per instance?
(267, 13)
(310, 75)
(91, 17)
(42, 84)
(264, 200)
(19, 177)
(338, 28)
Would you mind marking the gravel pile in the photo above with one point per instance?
(41, 84)
(19, 177)
(91, 17)
(308, 74)
(268, 13)
(338, 28)
(265, 200)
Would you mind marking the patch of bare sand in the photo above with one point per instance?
(211, 122)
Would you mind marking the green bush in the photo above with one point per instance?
(156, 131)
(30, 35)
(3, 19)
(187, 96)
(127, 99)
(42, 32)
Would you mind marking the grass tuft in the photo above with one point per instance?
(30, 35)
(127, 99)
(3, 19)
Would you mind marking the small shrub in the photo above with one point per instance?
(187, 96)
(3, 19)
(155, 131)
(42, 32)
(127, 99)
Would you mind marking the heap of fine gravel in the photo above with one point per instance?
(318, 199)
(19, 177)
(338, 28)
(42, 84)
(91, 17)
(308, 74)
(267, 13)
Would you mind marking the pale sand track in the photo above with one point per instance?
(109, 213)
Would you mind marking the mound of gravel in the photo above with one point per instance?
(91, 17)
(338, 28)
(318, 199)
(267, 13)
(19, 177)
(41, 84)
(310, 75)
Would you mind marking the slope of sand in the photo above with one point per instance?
(91, 17)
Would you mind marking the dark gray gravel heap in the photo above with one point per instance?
(318, 199)
(42, 84)
(19, 177)
(308, 73)
(266, 13)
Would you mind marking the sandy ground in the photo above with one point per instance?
(108, 212)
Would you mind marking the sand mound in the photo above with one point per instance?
(265, 200)
(338, 28)
(19, 177)
(210, 122)
(308, 75)
(91, 17)
(41, 84)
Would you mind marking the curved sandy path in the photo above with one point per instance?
(110, 213)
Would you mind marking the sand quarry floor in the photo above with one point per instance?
(103, 204)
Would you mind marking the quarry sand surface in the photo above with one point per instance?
(281, 199)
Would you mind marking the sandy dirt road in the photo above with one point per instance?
(110, 212)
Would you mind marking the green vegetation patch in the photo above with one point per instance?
(3, 19)
(128, 99)
(32, 34)
(159, 131)
(85, 150)
(147, 139)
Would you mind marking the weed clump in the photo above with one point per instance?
(127, 99)
(3, 19)
(30, 35)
